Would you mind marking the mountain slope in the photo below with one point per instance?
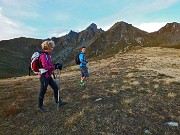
(119, 38)
(15, 56)
(168, 36)
(130, 93)
(17, 62)
(68, 46)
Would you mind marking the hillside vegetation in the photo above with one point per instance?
(136, 92)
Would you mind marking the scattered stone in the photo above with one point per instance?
(174, 124)
(98, 99)
(147, 132)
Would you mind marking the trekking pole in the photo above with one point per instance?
(54, 76)
(29, 70)
(88, 68)
(58, 83)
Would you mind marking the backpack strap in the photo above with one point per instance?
(41, 69)
(29, 70)
(46, 54)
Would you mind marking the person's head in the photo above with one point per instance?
(48, 46)
(83, 49)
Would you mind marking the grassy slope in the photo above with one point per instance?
(139, 91)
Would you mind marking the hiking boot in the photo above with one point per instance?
(62, 104)
(82, 84)
(40, 109)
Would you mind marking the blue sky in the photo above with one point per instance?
(53, 18)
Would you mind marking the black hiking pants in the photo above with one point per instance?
(43, 88)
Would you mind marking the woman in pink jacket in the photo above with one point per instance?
(46, 73)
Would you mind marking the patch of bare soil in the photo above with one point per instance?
(133, 93)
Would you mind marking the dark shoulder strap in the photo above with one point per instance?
(40, 63)
(45, 53)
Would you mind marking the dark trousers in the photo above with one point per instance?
(43, 88)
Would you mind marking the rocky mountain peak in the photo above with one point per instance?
(120, 25)
(93, 27)
(173, 25)
(72, 33)
(170, 27)
(125, 28)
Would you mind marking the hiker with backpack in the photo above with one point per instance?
(46, 71)
(83, 67)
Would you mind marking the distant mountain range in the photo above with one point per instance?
(16, 53)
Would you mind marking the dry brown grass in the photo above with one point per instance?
(74, 118)
(135, 91)
(126, 101)
(11, 110)
(171, 95)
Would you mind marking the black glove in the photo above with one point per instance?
(58, 66)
